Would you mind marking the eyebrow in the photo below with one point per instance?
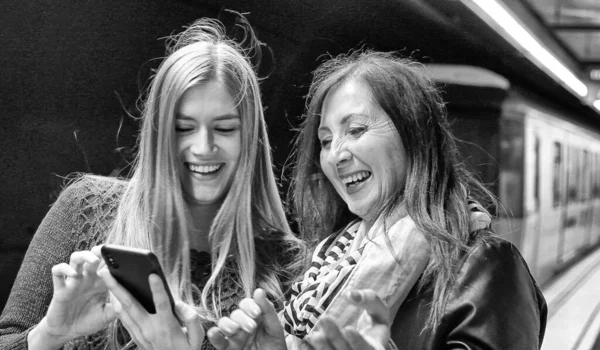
(218, 118)
(344, 120)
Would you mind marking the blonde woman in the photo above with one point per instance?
(202, 196)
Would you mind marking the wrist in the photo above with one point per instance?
(41, 338)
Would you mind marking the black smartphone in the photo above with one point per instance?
(131, 268)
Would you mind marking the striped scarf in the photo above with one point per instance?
(321, 283)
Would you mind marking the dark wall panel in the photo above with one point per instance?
(69, 71)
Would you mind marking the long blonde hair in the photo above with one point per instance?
(152, 211)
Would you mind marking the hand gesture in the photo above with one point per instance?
(254, 326)
(371, 333)
(78, 305)
(162, 329)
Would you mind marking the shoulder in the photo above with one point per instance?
(494, 283)
(490, 251)
(86, 187)
(90, 202)
(87, 192)
(492, 259)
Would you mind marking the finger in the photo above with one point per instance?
(97, 251)
(333, 333)
(246, 322)
(358, 342)
(91, 268)
(192, 322)
(78, 259)
(133, 328)
(371, 303)
(59, 272)
(217, 339)
(108, 312)
(126, 319)
(318, 340)
(162, 303)
(228, 327)
(251, 308)
(236, 336)
(270, 318)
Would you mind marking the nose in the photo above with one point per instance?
(203, 143)
(339, 154)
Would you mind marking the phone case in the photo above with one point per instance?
(131, 268)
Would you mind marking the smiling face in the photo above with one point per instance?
(361, 153)
(207, 128)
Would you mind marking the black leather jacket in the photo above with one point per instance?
(495, 304)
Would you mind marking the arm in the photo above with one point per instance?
(32, 290)
(496, 303)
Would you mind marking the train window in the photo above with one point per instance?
(557, 171)
(596, 176)
(585, 179)
(536, 179)
(573, 174)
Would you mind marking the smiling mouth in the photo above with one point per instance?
(205, 169)
(356, 179)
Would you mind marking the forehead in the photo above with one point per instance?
(211, 99)
(352, 99)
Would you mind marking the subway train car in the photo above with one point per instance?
(542, 164)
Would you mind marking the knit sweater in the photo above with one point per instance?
(79, 220)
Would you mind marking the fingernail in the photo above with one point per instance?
(249, 326)
(355, 295)
(255, 311)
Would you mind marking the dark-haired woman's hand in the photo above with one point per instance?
(162, 329)
(371, 333)
(254, 326)
(78, 306)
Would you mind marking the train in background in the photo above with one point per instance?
(543, 166)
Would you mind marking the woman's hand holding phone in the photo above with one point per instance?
(78, 306)
(160, 330)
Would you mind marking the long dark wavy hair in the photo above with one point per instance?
(437, 186)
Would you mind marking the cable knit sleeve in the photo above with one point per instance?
(56, 238)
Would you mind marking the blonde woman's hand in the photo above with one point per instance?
(254, 326)
(156, 331)
(371, 333)
(78, 306)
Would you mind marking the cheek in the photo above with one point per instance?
(232, 147)
(180, 143)
(325, 166)
(397, 166)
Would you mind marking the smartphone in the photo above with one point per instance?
(131, 268)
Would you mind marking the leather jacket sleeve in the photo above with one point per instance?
(495, 303)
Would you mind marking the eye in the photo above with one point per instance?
(183, 129)
(357, 130)
(325, 143)
(226, 129)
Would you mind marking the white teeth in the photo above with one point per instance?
(204, 169)
(356, 177)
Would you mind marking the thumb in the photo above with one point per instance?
(370, 302)
(192, 322)
(270, 319)
(108, 311)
